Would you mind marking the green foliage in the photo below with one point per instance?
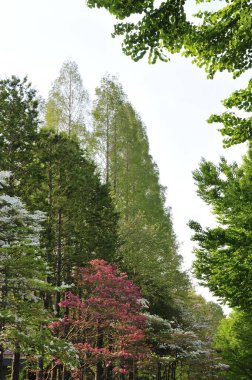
(41, 252)
(224, 252)
(22, 271)
(66, 109)
(221, 40)
(19, 120)
(148, 250)
(81, 222)
(233, 342)
(236, 129)
(121, 9)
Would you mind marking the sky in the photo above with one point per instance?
(173, 99)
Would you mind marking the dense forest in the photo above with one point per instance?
(91, 279)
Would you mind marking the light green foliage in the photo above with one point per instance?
(148, 250)
(234, 343)
(66, 109)
(237, 128)
(220, 40)
(224, 252)
(107, 128)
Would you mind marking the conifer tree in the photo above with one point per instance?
(66, 109)
(149, 249)
(81, 222)
(19, 120)
(106, 135)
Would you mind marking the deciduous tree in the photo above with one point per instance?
(223, 255)
(104, 322)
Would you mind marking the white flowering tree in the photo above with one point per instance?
(23, 320)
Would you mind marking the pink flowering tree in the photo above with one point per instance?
(104, 322)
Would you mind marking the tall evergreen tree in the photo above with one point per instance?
(81, 222)
(19, 120)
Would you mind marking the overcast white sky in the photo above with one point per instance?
(174, 99)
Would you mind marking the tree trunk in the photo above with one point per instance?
(158, 374)
(107, 144)
(49, 232)
(39, 375)
(65, 374)
(1, 362)
(99, 344)
(70, 101)
(59, 251)
(54, 373)
(173, 372)
(15, 364)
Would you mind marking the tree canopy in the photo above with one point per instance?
(219, 40)
(223, 256)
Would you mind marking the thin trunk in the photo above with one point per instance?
(54, 373)
(107, 144)
(15, 364)
(59, 251)
(59, 261)
(115, 160)
(48, 300)
(158, 374)
(39, 375)
(127, 183)
(181, 371)
(70, 107)
(59, 373)
(99, 344)
(132, 373)
(173, 372)
(65, 374)
(169, 371)
(1, 362)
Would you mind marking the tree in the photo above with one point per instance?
(223, 255)
(22, 273)
(145, 225)
(19, 120)
(104, 322)
(81, 222)
(106, 136)
(185, 351)
(66, 109)
(221, 40)
(237, 128)
(233, 342)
